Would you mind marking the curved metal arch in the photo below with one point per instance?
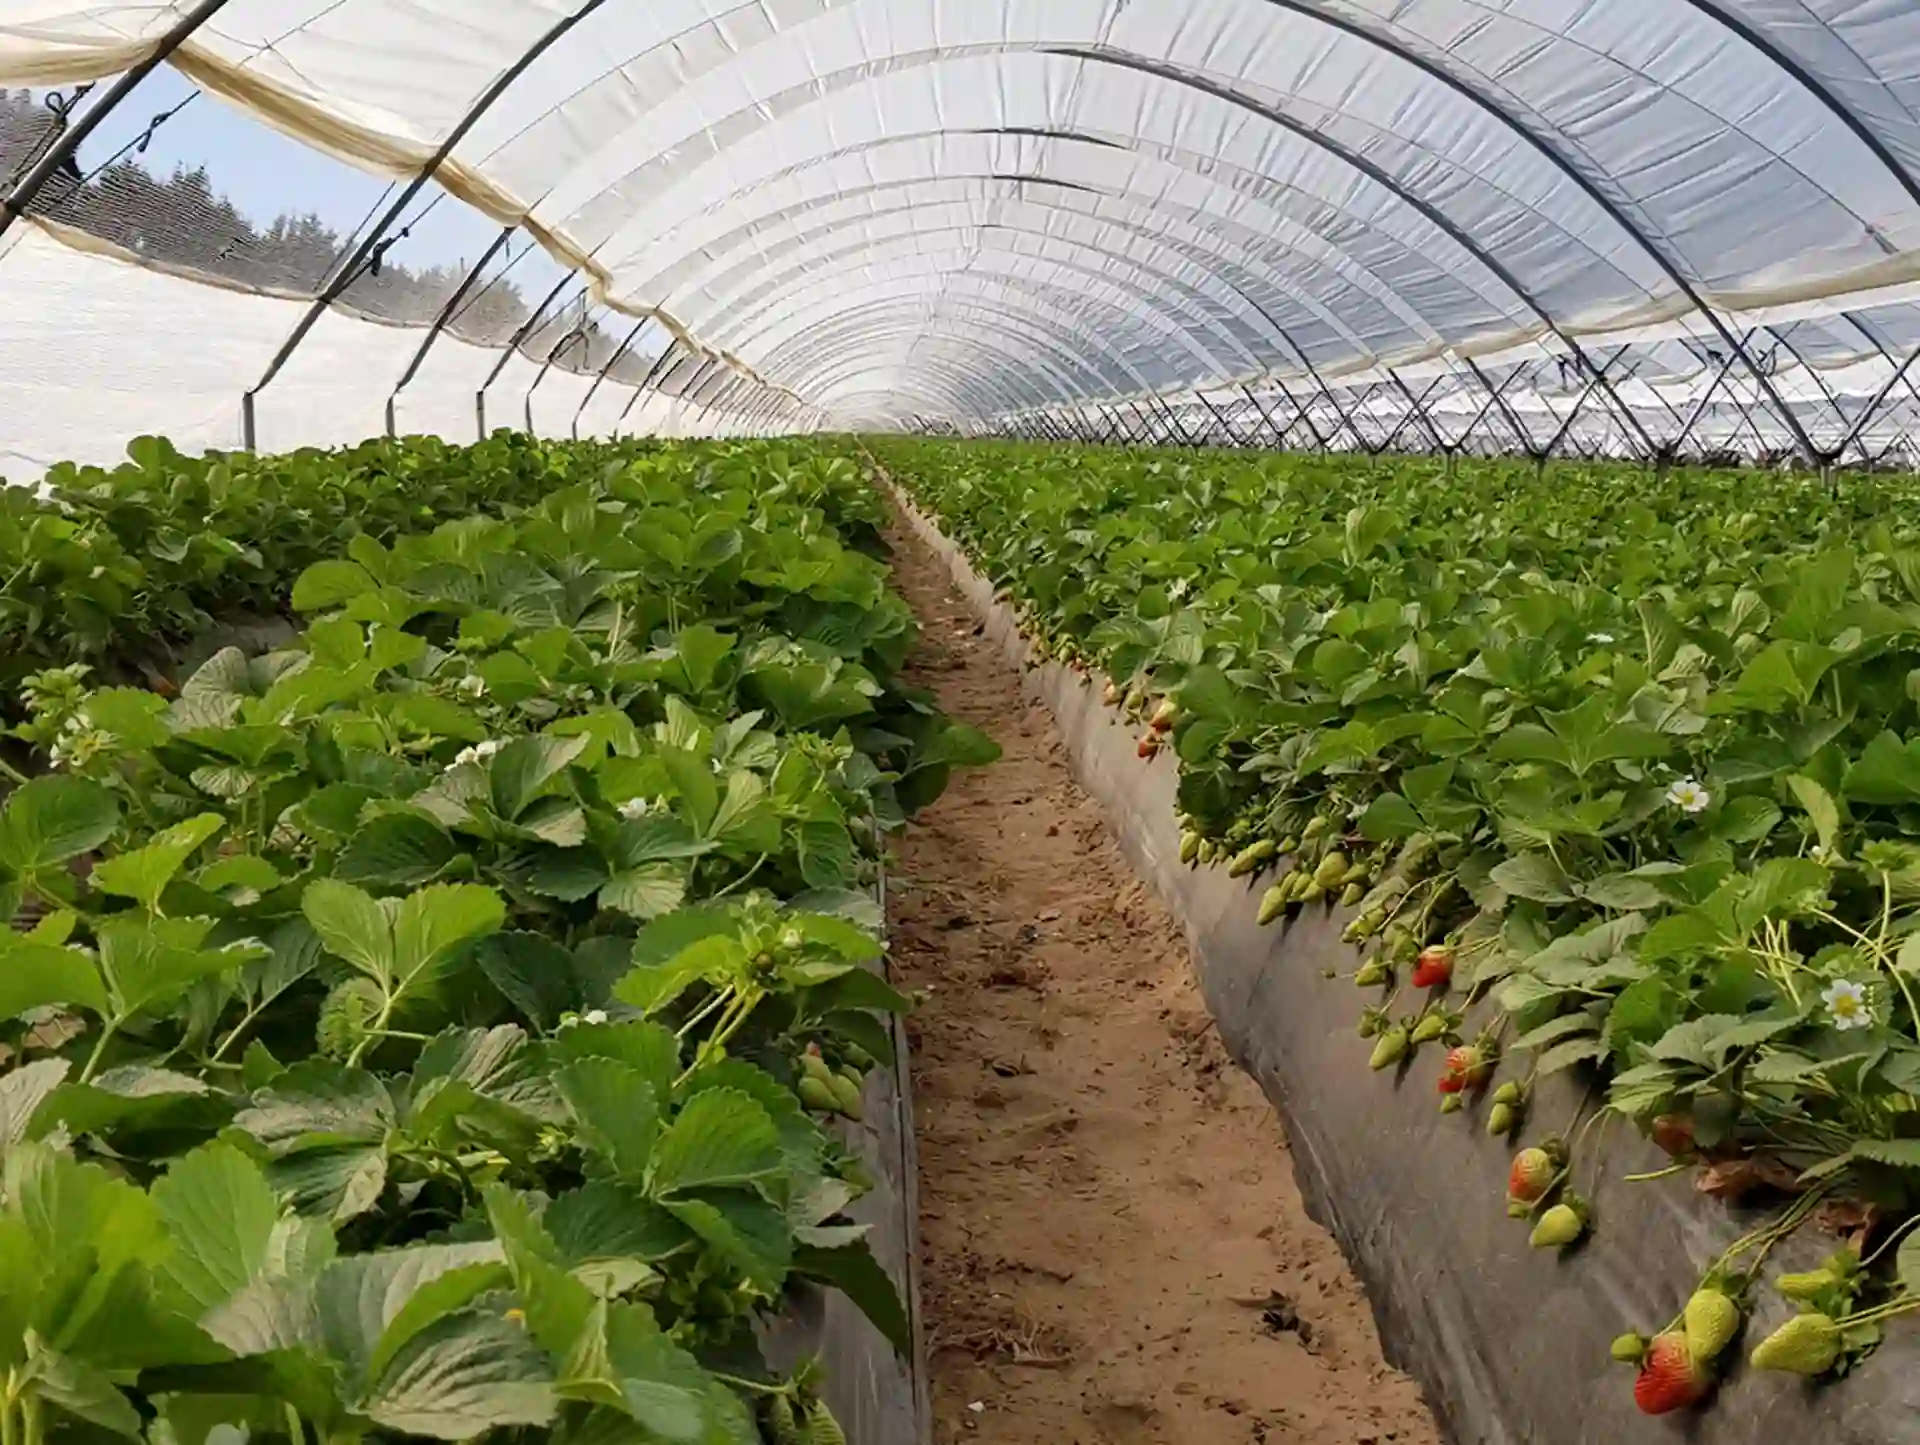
(1387, 295)
(856, 342)
(902, 345)
(674, 41)
(1349, 270)
(1075, 330)
(744, 325)
(1814, 86)
(1251, 263)
(1035, 326)
(349, 269)
(826, 84)
(984, 385)
(803, 236)
(987, 230)
(1024, 359)
(1486, 258)
(1379, 291)
(1157, 310)
(808, 241)
(1039, 327)
(964, 376)
(1360, 30)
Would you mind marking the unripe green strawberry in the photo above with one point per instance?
(1273, 903)
(823, 1428)
(1289, 844)
(1808, 1286)
(1331, 870)
(1315, 827)
(1250, 858)
(846, 1094)
(1313, 892)
(1432, 1025)
(1370, 1025)
(1190, 846)
(1712, 1322)
(1508, 1093)
(1532, 1174)
(1113, 696)
(814, 1065)
(1351, 895)
(1805, 1345)
(1452, 1103)
(1559, 1227)
(1136, 698)
(1372, 972)
(1629, 1349)
(1391, 1049)
(1518, 1210)
(818, 1094)
(1165, 716)
(1501, 1119)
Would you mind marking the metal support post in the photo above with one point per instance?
(375, 244)
(448, 310)
(15, 203)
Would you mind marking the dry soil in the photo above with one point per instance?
(1115, 1251)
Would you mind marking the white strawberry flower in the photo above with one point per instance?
(478, 753)
(1603, 638)
(1688, 796)
(1179, 588)
(594, 1016)
(1847, 1005)
(634, 809)
(473, 685)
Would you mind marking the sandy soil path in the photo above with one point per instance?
(1115, 1252)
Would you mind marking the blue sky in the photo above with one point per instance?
(265, 174)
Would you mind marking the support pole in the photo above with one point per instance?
(612, 362)
(14, 204)
(646, 382)
(448, 311)
(374, 244)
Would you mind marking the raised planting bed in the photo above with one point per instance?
(1511, 1342)
(467, 1019)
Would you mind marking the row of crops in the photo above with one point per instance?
(1616, 774)
(436, 1026)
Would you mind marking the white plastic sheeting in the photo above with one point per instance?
(956, 210)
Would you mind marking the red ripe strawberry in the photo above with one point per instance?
(1149, 745)
(1670, 1378)
(1466, 1070)
(1434, 968)
(1532, 1175)
(1674, 1134)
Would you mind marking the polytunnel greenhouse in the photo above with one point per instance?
(1133, 722)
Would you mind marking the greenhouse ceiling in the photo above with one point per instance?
(865, 212)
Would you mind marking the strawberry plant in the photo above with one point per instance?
(433, 1027)
(1624, 768)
